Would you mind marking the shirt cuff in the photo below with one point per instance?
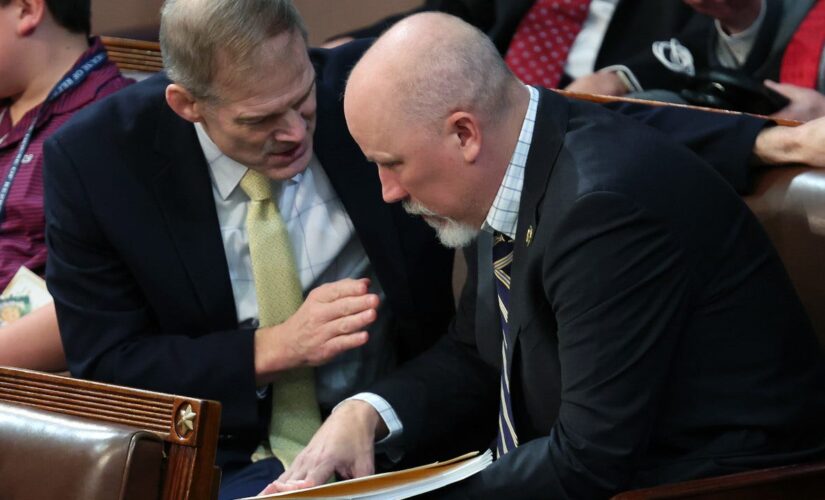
(625, 75)
(386, 412)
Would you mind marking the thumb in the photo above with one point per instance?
(786, 90)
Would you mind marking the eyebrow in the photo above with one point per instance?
(255, 118)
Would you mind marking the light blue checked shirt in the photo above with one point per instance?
(502, 217)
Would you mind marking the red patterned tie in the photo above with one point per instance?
(800, 63)
(543, 38)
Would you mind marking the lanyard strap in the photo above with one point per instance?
(71, 81)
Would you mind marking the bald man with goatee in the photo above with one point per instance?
(626, 320)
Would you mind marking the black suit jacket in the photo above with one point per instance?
(137, 265)
(635, 25)
(657, 336)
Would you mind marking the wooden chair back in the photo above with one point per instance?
(188, 426)
(134, 57)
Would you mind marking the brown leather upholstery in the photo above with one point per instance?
(68, 438)
(790, 203)
(49, 456)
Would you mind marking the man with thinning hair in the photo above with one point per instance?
(626, 313)
(216, 233)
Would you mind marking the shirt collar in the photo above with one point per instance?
(226, 172)
(503, 215)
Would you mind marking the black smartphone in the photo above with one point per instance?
(729, 89)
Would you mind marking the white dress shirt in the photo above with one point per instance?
(581, 60)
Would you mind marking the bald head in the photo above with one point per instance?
(431, 64)
(434, 106)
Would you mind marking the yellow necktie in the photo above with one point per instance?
(295, 414)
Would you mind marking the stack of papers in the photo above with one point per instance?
(396, 485)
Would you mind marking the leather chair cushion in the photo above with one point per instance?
(49, 455)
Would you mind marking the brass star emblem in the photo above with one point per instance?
(186, 420)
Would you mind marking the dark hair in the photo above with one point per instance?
(74, 15)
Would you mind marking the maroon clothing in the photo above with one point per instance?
(22, 236)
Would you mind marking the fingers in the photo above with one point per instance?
(347, 306)
(330, 292)
(279, 486)
(337, 345)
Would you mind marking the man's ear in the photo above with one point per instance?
(183, 103)
(465, 128)
(30, 14)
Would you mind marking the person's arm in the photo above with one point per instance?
(110, 326)
(437, 397)
(725, 141)
(618, 325)
(33, 342)
(804, 144)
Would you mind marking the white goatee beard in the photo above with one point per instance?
(450, 232)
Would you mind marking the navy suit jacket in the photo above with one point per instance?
(137, 266)
(655, 335)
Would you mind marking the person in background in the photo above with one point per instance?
(42, 44)
(779, 42)
(630, 332)
(590, 46)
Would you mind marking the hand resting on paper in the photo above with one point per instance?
(344, 444)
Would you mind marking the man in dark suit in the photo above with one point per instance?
(641, 328)
(150, 263)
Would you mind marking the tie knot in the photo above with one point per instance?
(257, 186)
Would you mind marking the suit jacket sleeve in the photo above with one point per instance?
(108, 327)
(448, 390)
(725, 141)
(619, 286)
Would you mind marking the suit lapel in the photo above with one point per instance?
(356, 182)
(548, 137)
(184, 194)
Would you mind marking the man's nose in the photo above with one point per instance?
(293, 127)
(391, 189)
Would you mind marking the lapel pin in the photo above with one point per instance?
(529, 237)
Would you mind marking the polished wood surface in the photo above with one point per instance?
(188, 426)
(609, 98)
(793, 481)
